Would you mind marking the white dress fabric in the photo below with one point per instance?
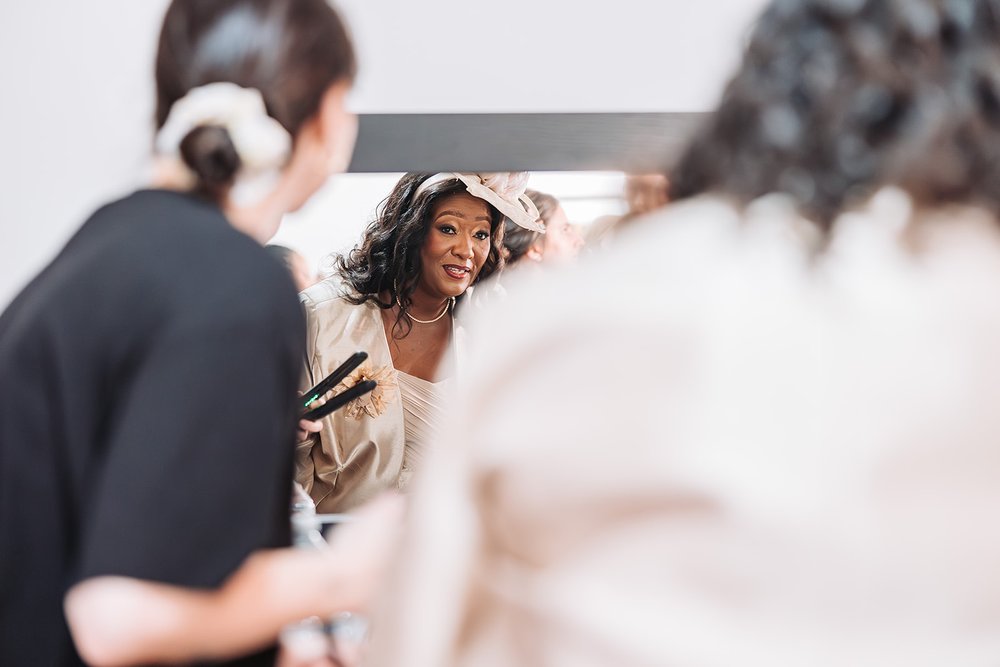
(711, 446)
(423, 406)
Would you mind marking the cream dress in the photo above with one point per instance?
(424, 404)
(711, 447)
(372, 444)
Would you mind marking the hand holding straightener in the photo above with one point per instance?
(309, 422)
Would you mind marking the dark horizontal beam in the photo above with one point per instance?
(633, 142)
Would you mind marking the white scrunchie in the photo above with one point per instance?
(505, 191)
(261, 142)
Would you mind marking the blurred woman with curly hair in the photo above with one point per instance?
(761, 429)
(394, 297)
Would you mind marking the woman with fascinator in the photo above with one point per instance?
(394, 297)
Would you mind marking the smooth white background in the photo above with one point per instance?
(76, 77)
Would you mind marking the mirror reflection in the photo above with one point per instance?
(387, 264)
(333, 221)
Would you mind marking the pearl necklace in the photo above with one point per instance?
(447, 307)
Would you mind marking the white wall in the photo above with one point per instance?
(545, 55)
(77, 103)
(77, 94)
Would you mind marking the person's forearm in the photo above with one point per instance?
(122, 621)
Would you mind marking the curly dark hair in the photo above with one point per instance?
(387, 261)
(835, 98)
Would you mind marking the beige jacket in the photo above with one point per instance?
(359, 452)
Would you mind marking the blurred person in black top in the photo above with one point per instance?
(148, 396)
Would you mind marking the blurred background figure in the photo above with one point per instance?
(787, 452)
(644, 193)
(394, 297)
(559, 243)
(296, 264)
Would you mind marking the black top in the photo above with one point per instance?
(147, 410)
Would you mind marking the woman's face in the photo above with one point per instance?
(323, 146)
(561, 241)
(457, 245)
(340, 128)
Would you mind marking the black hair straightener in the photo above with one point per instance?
(329, 382)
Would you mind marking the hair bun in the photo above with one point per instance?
(210, 153)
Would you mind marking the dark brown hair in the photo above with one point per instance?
(516, 239)
(388, 259)
(292, 51)
(835, 98)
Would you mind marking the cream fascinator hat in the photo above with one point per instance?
(504, 191)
